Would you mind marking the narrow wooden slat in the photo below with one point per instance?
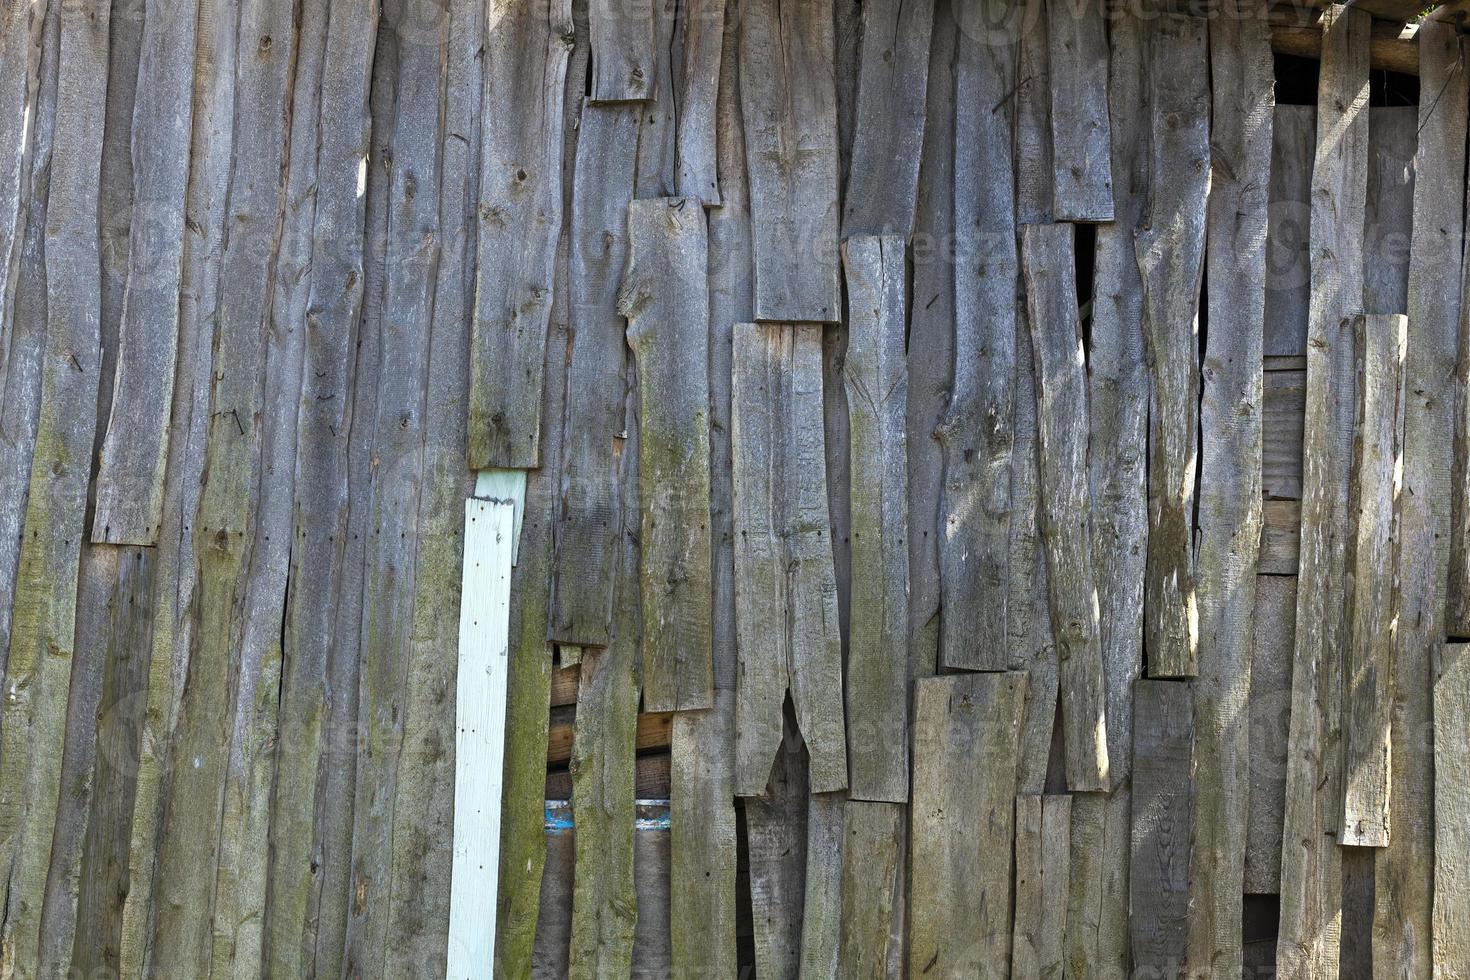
(654, 732)
(1056, 861)
(587, 523)
(975, 509)
(130, 473)
(20, 57)
(1403, 899)
(658, 139)
(1368, 690)
(1229, 518)
(1163, 737)
(698, 167)
(651, 778)
(1170, 261)
(1388, 219)
(424, 808)
(785, 585)
(1288, 287)
(1056, 336)
(1081, 144)
(652, 874)
(931, 329)
(876, 377)
(1033, 117)
(526, 54)
(43, 630)
(788, 100)
(479, 743)
(847, 22)
(1030, 899)
(1450, 951)
(703, 844)
(871, 842)
(960, 871)
(881, 194)
(1283, 413)
(1280, 537)
(665, 299)
(1270, 722)
(1311, 866)
(776, 835)
(821, 905)
(554, 920)
(202, 304)
(622, 50)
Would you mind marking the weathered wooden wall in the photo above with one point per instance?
(995, 487)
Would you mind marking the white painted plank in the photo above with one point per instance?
(479, 742)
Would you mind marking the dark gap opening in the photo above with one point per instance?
(1296, 80)
(1355, 957)
(1390, 88)
(1260, 923)
(1056, 763)
(1083, 258)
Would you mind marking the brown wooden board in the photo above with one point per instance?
(966, 755)
(665, 300)
(788, 99)
(1163, 809)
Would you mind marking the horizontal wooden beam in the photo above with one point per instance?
(1298, 31)
(655, 731)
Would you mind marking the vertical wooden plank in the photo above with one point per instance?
(1311, 866)
(1163, 737)
(424, 807)
(776, 835)
(554, 920)
(1389, 215)
(39, 669)
(698, 172)
(1030, 906)
(788, 99)
(652, 954)
(1404, 872)
(1270, 723)
(1056, 335)
(20, 63)
(871, 841)
(657, 139)
(622, 50)
(931, 329)
(785, 585)
(821, 907)
(1056, 862)
(1170, 260)
(131, 467)
(479, 734)
(881, 195)
(966, 754)
(666, 301)
(975, 509)
(1368, 688)
(876, 379)
(1229, 518)
(1451, 951)
(703, 841)
(1288, 285)
(202, 306)
(1081, 143)
(1033, 118)
(527, 48)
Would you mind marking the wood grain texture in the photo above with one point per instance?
(776, 838)
(1170, 261)
(1229, 517)
(703, 844)
(1081, 144)
(1043, 876)
(789, 103)
(658, 141)
(1163, 804)
(622, 50)
(587, 524)
(1450, 953)
(1033, 118)
(931, 329)
(1403, 909)
(665, 299)
(876, 378)
(976, 433)
(1056, 337)
(527, 49)
(134, 454)
(20, 83)
(881, 193)
(1368, 692)
(1283, 412)
(1270, 724)
(43, 630)
(785, 585)
(872, 840)
(821, 905)
(1311, 866)
(1288, 284)
(966, 755)
(1389, 215)
(702, 38)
